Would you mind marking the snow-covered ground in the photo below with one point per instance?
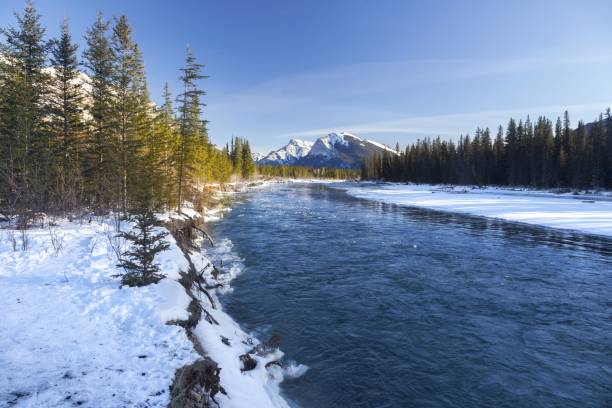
(588, 213)
(70, 336)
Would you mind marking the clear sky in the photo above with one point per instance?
(387, 70)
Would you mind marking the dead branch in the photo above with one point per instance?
(202, 289)
(208, 316)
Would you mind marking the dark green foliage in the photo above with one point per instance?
(101, 156)
(66, 123)
(528, 154)
(25, 156)
(139, 261)
(242, 157)
(71, 140)
(192, 129)
(308, 172)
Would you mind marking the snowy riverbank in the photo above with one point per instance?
(587, 213)
(69, 335)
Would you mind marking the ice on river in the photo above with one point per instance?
(590, 214)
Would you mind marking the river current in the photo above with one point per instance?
(393, 306)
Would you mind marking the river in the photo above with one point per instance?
(394, 306)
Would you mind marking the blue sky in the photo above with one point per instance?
(387, 70)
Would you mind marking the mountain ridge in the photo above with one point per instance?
(343, 150)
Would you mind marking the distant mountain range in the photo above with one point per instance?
(343, 150)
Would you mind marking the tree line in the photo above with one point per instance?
(82, 132)
(540, 154)
(241, 157)
(307, 172)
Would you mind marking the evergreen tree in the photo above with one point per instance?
(105, 146)
(101, 154)
(512, 149)
(608, 156)
(165, 145)
(499, 154)
(237, 154)
(138, 262)
(190, 124)
(530, 155)
(25, 155)
(248, 166)
(127, 86)
(66, 122)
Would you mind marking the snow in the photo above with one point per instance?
(334, 138)
(380, 145)
(586, 213)
(322, 147)
(293, 151)
(69, 335)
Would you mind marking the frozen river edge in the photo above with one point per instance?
(585, 213)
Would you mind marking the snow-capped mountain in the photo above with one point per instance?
(342, 149)
(289, 154)
(257, 156)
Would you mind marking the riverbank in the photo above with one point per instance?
(585, 212)
(70, 336)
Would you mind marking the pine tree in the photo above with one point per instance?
(25, 145)
(138, 262)
(597, 148)
(531, 155)
(237, 155)
(608, 155)
(101, 155)
(190, 123)
(248, 167)
(499, 157)
(166, 142)
(105, 145)
(66, 122)
(133, 114)
(512, 149)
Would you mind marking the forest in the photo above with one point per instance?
(538, 155)
(307, 172)
(79, 130)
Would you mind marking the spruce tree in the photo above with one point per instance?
(499, 157)
(127, 85)
(189, 123)
(138, 262)
(101, 155)
(66, 122)
(608, 150)
(248, 167)
(167, 129)
(25, 145)
(237, 154)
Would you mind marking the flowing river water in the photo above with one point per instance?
(392, 306)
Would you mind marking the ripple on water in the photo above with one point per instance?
(391, 306)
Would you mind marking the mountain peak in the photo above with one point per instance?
(336, 149)
(291, 153)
